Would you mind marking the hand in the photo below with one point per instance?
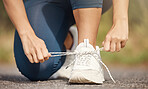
(35, 48)
(116, 38)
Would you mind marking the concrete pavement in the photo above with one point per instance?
(126, 78)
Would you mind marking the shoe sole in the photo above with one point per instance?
(85, 76)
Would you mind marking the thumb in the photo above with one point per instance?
(49, 55)
(103, 43)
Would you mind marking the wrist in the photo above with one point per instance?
(123, 19)
(25, 32)
(120, 24)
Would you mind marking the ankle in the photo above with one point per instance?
(68, 41)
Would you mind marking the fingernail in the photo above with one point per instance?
(37, 62)
(49, 54)
(32, 62)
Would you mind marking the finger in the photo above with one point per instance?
(35, 57)
(103, 43)
(113, 46)
(123, 43)
(107, 45)
(45, 53)
(41, 61)
(46, 58)
(118, 46)
(49, 54)
(40, 55)
(29, 56)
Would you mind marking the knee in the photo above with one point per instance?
(34, 74)
(35, 77)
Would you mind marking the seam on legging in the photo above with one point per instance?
(91, 5)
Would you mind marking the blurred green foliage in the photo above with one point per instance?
(135, 52)
(5, 24)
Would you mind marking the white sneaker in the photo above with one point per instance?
(62, 72)
(87, 68)
(74, 32)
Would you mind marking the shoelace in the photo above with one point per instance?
(56, 54)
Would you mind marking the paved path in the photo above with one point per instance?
(126, 78)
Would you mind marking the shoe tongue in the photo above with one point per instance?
(85, 44)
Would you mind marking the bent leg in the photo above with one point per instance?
(98, 4)
(87, 21)
(47, 29)
(87, 16)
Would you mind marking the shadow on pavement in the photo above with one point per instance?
(13, 78)
(21, 79)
